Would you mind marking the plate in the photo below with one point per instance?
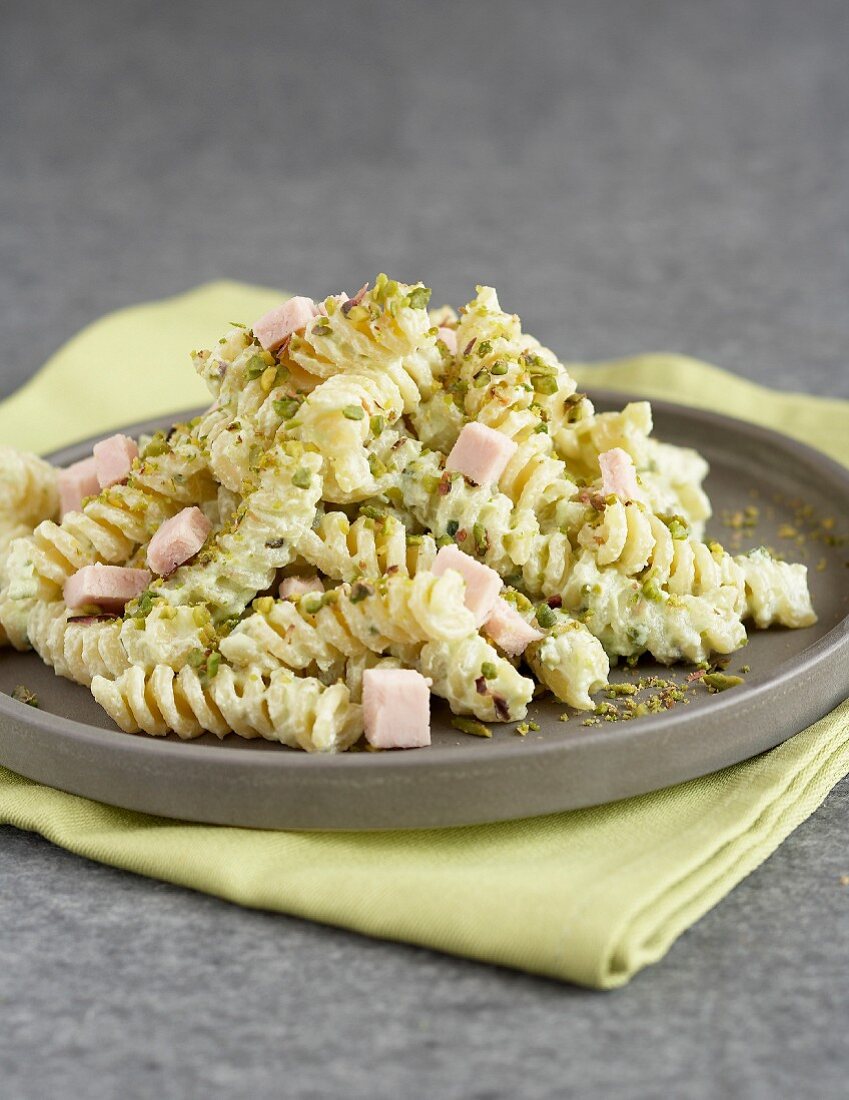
(795, 678)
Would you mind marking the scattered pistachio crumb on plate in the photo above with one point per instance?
(24, 695)
(470, 725)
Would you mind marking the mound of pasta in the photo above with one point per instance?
(383, 501)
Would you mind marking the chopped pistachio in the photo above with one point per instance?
(255, 366)
(430, 483)
(651, 591)
(302, 478)
(286, 407)
(545, 384)
(377, 425)
(545, 616)
(419, 297)
(353, 412)
(156, 447)
(677, 527)
(470, 725)
(721, 681)
(360, 592)
(488, 670)
(452, 527)
(376, 466)
(23, 694)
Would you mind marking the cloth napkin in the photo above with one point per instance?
(589, 896)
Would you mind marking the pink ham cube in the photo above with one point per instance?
(279, 323)
(177, 540)
(618, 475)
(449, 338)
(482, 583)
(113, 459)
(396, 708)
(75, 483)
(109, 587)
(509, 630)
(481, 454)
(292, 588)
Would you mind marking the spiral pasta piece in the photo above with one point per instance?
(637, 541)
(438, 421)
(77, 648)
(385, 332)
(29, 495)
(300, 712)
(671, 477)
(369, 546)
(507, 381)
(254, 397)
(571, 662)
(776, 591)
(630, 618)
(338, 418)
(475, 679)
(29, 490)
(498, 364)
(483, 523)
(242, 558)
(393, 613)
(547, 568)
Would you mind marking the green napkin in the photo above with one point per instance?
(589, 896)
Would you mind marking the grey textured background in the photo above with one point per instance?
(632, 176)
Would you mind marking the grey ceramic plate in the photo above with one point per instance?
(795, 677)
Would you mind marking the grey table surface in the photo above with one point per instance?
(632, 176)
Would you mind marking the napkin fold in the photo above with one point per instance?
(590, 896)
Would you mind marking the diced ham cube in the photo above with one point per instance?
(113, 459)
(481, 453)
(449, 338)
(279, 323)
(109, 587)
(75, 483)
(292, 588)
(509, 630)
(618, 475)
(396, 708)
(482, 583)
(177, 540)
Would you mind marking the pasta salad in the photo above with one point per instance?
(383, 501)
